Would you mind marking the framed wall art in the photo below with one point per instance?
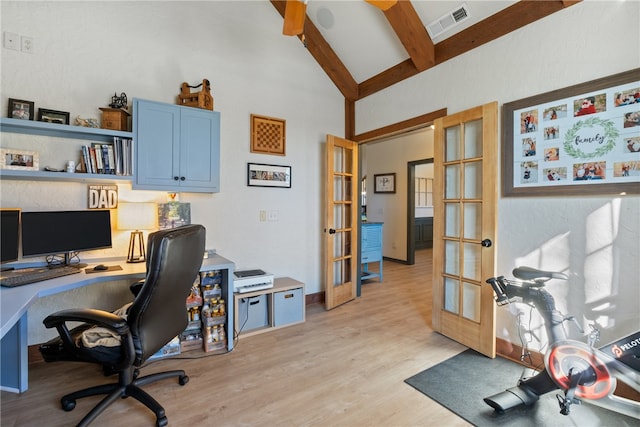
(580, 140)
(268, 135)
(21, 109)
(18, 159)
(384, 183)
(53, 116)
(261, 175)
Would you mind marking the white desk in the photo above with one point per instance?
(15, 302)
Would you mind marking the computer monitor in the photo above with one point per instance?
(9, 234)
(65, 232)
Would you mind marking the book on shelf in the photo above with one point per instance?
(114, 158)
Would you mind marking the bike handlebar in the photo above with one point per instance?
(533, 293)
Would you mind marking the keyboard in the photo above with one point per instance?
(15, 278)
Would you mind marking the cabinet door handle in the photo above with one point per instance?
(182, 178)
(175, 178)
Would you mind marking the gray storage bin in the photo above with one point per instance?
(253, 313)
(288, 307)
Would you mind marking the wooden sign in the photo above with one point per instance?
(103, 196)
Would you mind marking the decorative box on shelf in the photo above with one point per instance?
(115, 118)
(191, 340)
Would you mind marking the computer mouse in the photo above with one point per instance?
(100, 267)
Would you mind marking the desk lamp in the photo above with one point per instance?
(137, 216)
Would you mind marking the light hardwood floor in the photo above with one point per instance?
(344, 367)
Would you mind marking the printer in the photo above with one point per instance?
(251, 280)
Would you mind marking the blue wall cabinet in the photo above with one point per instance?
(371, 249)
(177, 148)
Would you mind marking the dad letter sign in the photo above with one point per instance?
(103, 196)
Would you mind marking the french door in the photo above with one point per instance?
(341, 221)
(465, 197)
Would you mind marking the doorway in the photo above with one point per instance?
(400, 154)
(419, 207)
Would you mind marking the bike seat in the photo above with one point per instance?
(528, 273)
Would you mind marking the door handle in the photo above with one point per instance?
(332, 231)
(486, 243)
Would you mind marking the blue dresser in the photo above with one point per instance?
(371, 249)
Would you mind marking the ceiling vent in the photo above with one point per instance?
(448, 21)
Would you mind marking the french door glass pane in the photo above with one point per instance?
(452, 258)
(452, 182)
(341, 271)
(472, 220)
(342, 216)
(338, 159)
(451, 295)
(472, 261)
(338, 188)
(338, 245)
(452, 144)
(452, 222)
(471, 301)
(473, 180)
(342, 160)
(341, 188)
(473, 139)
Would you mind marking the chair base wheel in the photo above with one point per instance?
(184, 379)
(68, 405)
(162, 422)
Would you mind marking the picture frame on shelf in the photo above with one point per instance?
(261, 175)
(18, 159)
(21, 109)
(53, 116)
(384, 183)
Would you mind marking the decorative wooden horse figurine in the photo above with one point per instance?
(202, 99)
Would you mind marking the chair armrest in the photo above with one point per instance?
(136, 287)
(94, 317)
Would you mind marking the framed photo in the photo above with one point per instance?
(53, 116)
(268, 135)
(260, 175)
(17, 159)
(21, 109)
(580, 140)
(384, 183)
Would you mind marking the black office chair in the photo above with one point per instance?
(155, 317)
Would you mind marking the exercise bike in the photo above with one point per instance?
(577, 369)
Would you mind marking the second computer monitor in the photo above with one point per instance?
(65, 232)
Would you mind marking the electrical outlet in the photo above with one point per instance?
(26, 44)
(10, 40)
(263, 216)
(273, 216)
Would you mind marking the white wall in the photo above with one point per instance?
(595, 239)
(86, 51)
(391, 155)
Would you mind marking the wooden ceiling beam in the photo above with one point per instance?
(412, 34)
(324, 56)
(400, 127)
(516, 16)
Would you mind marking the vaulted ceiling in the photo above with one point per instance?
(364, 49)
